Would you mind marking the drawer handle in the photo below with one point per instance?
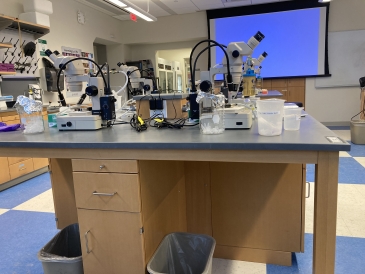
(104, 194)
(87, 242)
(101, 167)
(309, 190)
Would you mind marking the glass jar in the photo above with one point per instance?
(30, 113)
(211, 109)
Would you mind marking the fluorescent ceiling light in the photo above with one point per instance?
(116, 2)
(144, 15)
(324, 1)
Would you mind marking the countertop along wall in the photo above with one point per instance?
(338, 104)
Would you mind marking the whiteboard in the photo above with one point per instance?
(346, 57)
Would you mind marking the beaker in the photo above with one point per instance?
(270, 116)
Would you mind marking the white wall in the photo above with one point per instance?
(337, 105)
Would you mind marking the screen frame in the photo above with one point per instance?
(269, 8)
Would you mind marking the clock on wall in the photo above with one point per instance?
(80, 17)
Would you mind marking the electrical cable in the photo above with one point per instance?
(60, 95)
(100, 71)
(191, 57)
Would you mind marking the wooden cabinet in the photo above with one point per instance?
(5, 173)
(15, 167)
(21, 168)
(111, 242)
(293, 89)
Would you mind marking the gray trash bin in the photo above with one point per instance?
(183, 253)
(62, 254)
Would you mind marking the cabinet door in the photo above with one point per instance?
(256, 209)
(266, 84)
(281, 90)
(114, 242)
(296, 82)
(4, 167)
(296, 94)
(283, 83)
(21, 168)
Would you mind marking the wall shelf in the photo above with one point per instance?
(7, 73)
(5, 46)
(12, 23)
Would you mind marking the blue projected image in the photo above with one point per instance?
(291, 40)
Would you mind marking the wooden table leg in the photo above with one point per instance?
(325, 213)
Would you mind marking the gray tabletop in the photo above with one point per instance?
(270, 93)
(311, 136)
(165, 96)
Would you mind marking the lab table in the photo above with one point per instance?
(270, 94)
(127, 190)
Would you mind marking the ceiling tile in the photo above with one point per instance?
(185, 10)
(178, 3)
(210, 6)
(154, 9)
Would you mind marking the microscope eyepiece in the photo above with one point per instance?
(265, 54)
(48, 52)
(259, 36)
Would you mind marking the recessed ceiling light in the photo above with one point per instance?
(117, 2)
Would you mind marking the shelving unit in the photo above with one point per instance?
(13, 23)
(7, 73)
(5, 46)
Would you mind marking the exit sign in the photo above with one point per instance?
(133, 17)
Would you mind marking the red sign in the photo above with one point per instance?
(133, 17)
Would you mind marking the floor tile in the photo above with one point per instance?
(221, 266)
(349, 258)
(2, 211)
(22, 235)
(350, 172)
(344, 154)
(21, 193)
(357, 150)
(360, 160)
(41, 203)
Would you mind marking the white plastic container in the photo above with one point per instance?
(292, 117)
(35, 18)
(270, 116)
(42, 6)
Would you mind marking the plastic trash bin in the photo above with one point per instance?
(183, 253)
(62, 254)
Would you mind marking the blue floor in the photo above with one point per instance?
(350, 171)
(29, 232)
(21, 193)
(349, 251)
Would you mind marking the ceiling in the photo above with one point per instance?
(159, 8)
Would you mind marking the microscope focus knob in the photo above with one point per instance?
(91, 91)
(205, 86)
(147, 87)
(235, 54)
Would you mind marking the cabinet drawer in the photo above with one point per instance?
(14, 160)
(105, 166)
(39, 163)
(296, 82)
(266, 84)
(21, 168)
(279, 83)
(107, 191)
(13, 122)
(111, 242)
(10, 118)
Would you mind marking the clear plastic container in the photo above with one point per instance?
(211, 117)
(270, 116)
(292, 117)
(30, 113)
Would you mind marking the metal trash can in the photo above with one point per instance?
(183, 253)
(62, 254)
(358, 132)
